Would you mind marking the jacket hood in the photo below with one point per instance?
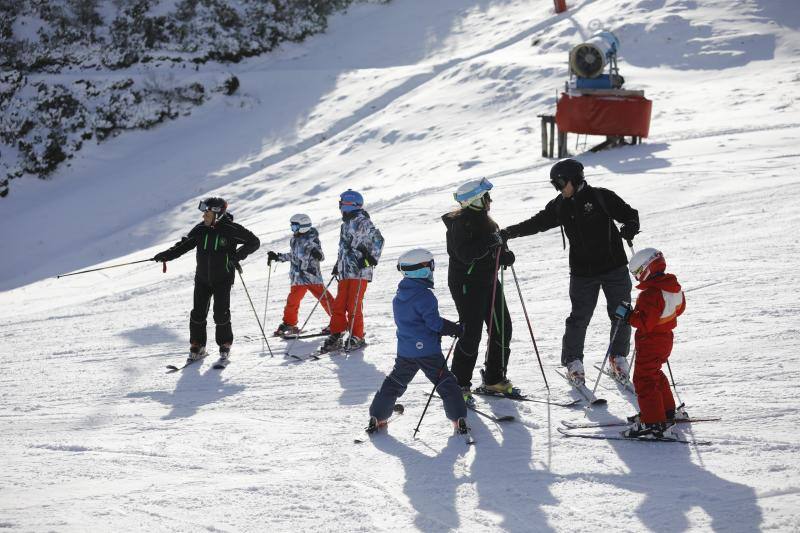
(664, 282)
(409, 288)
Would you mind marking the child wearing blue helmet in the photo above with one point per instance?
(419, 333)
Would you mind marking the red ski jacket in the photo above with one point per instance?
(659, 304)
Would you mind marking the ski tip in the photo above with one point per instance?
(358, 441)
(600, 401)
(506, 418)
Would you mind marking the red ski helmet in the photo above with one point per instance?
(647, 262)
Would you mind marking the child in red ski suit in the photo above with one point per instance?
(654, 317)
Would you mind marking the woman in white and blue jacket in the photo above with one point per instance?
(419, 346)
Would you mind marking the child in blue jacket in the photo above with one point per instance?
(419, 347)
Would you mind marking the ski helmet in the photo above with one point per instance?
(350, 200)
(417, 263)
(647, 262)
(474, 194)
(566, 170)
(300, 223)
(214, 204)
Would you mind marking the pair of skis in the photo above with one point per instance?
(219, 365)
(574, 429)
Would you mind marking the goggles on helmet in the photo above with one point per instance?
(419, 266)
(295, 227)
(559, 182)
(214, 209)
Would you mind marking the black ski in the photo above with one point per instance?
(221, 364)
(523, 398)
(599, 436)
(493, 418)
(306, 336)
(173, 368)
(398, 410)
(584, 391)
(618, 423)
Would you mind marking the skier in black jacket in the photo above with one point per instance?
(216, 239)
(596, 258)
(473, 242)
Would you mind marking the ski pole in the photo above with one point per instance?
(255, 313)
(266, 298)
(491, 304)
(324, 294)
(608, 352)
(673, 383)
(430, 396)
(107, 267)
(530, 329)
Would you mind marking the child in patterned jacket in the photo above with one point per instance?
(304, 273)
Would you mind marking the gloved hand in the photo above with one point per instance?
(494, 240)
(628, 233)
(369, 260)
(316, 254)
(623, 312)
(451, 329)
(272, 256)
(507, 258)
(235, 262)
(160, 257)
(505, 235)
(335, 271)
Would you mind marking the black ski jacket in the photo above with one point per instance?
(216, 249)
(469, 234)
(595, 245)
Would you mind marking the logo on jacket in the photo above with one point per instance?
(419, 345)
(588, 207)
(223, 241)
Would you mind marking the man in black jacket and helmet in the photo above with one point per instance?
(596, 258)
(216, 239)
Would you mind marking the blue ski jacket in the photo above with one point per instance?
(416, 314)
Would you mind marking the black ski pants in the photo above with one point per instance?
(203, 292)
(583, 293)
(473, 302)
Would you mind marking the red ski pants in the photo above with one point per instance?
(652, 386)
(296, 295)
(348, 308)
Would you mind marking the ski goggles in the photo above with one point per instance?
(418, 266)
(559, 182)
(297, 227)
(214, 209)
(347, 205)
(481, 189)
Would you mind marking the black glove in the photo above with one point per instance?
(235, 262)
(628, 233)
(272, 256)
(507, 258)
(369, 260)
(160, 257)
(623, 312)
(505, 235)
(335, 271)
(451, 329)
(316, 254)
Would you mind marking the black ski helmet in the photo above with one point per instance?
(566, 170)
(214, 204)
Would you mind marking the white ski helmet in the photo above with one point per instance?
(474, 194)
(646, 262)
(300, 223)
(416, 263)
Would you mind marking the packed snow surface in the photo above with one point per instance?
(404, 102)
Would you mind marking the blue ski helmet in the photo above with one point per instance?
(350, 200)
(417, 263)
(474, 194)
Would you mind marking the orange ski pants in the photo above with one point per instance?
(349, 306)
(296, 295)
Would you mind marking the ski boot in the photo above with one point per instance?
(619, 367)
(460, 426)
(374, 425)
(575, 372)
(657, 430)
(677, 414)
(196, 352)
(332, 343)
(469, 399)
(285, 330)
(504, 387)
(224, 356)
(354, 343)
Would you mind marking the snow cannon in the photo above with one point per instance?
(588, 60)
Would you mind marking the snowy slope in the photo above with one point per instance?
(404, 102)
